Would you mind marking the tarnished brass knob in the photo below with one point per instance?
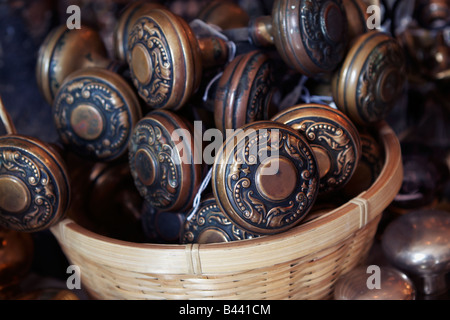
(371, 79)
(210, 225)
(165, 161)
(333, 138)
(127, 18)
(94, 112)
(166, 59)
(244, 92)
(265, 177)
(65, 51)
(34, 186)
(224, 14)
(310, 36)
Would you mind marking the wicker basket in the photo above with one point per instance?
(302, 263)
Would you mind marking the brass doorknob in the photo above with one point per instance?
(244, 91)
(210, 225)
(310, 36)
(34, 186)
(166, 59)
(333, 138)
(128, 17)
(371, 79)
(265, 177)
(165, 161)
(224, 14)
(94, 112)
(65, 51)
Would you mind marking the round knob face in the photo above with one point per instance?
(164, 162)
(164, 59)
(310, 36)
(265, 177)
(94, 113)
(65, 51)
(34, 188)
(333, 138)
(210, 225)
(243, 92)
(419, 242)
(371, 79)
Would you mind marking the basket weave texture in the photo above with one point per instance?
(301, 263)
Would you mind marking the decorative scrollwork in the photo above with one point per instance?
(163, 191)
(324, 46)
(262, 205)
(209, 218)
(339, 146)
(42, 192)
(372, 104)
(156, 85)
(112, 125)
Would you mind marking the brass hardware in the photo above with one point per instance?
(371, 79)
(333, 138)
(265, 177)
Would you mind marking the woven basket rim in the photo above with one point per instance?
(347, 218)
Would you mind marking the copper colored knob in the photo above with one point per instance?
(34, 186)
(165, 161)
(128, 17)
(166, 59)
(371, 78)
(310, 36)
(244, 91)
(333, 138)
(65, 51)
(94, 112)
(210, 225)
(224, 14)
(265, 177)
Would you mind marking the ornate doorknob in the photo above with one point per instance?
(128, 17)
(94, 112)
(34, 186)
(166, 59)
(210, 225)
(333, 138)
(265, 177)
(244, 91)
(310, 36)
(65, 51)
(165, 161)
(371, 78)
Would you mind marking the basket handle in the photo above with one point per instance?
(6, 119)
